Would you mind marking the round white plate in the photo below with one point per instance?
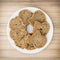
(49, 35)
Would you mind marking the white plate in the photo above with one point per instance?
(49, 35)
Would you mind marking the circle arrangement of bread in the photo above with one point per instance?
(18, 29)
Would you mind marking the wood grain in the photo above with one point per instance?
(8, 7)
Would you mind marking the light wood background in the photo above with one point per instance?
(8, 7)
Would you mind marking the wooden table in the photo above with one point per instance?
(8, 7)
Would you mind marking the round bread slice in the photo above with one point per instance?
(39, 16)
(16, 23)
(36, 40)
(22, 42)
(24, 15)
(18, 34)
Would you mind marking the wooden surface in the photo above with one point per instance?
(8, 7)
